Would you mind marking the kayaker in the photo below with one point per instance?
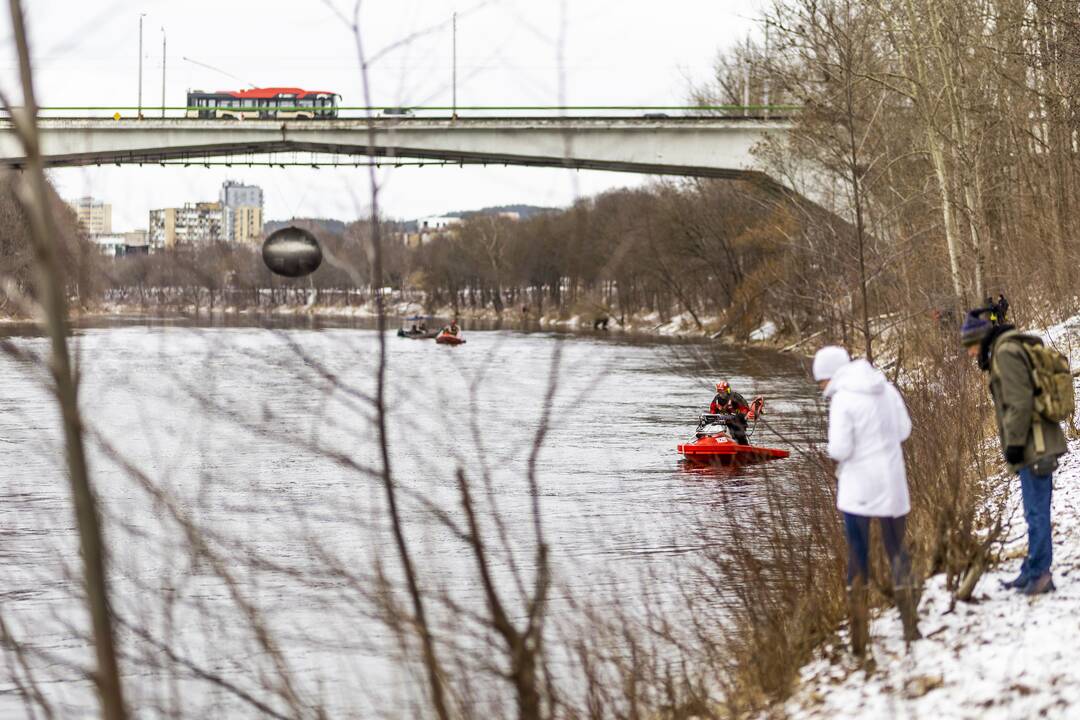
(728, 402)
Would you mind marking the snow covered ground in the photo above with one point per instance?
(1002, 656)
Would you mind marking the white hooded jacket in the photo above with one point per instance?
(867, 423)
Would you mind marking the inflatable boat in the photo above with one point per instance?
(712, 445)
(446, 338)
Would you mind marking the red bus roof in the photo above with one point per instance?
(272, 92)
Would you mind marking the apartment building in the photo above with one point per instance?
(193, 224)
(95, 216)
(243, 223)
(243, 211)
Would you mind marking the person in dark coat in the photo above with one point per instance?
(1029, 443)
(1002, 307)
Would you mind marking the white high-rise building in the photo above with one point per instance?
(234, 194)
(242, 212)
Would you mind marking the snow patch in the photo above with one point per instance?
(1003, 656)
(766, 331)
(1065, 336)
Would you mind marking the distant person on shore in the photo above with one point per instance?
(728, 402)
(1029, 407)
(1002, 308)
(867, 423)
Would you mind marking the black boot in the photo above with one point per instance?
(857, 611)
(1039, 585)
(1017, 583)
(909, 612)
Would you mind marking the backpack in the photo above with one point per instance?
(1055, 398)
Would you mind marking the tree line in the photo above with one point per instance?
(727, 255)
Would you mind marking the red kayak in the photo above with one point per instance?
(445, 338)
(712, 445)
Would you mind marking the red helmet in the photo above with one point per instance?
(723, 387)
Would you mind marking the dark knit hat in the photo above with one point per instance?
(975, 327)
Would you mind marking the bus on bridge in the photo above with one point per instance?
(284, 103)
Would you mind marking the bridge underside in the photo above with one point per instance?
(699, 147)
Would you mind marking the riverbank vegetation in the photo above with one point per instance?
(78, 260)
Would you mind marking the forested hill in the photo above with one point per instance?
(523, 211)
(328, 224)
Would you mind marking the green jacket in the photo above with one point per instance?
(1014, 398)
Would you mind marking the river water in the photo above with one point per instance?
(231, 464)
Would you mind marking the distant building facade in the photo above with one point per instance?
(193, 224)
(137, 239)
(437, 223)
(95, 216)
(234, 194)
(121, 244)
(109, 245)
(242, 224)
(243, 210)
(431, 227)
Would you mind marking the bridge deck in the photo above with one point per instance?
(712, 146)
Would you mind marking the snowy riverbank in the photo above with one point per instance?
(638, 324)
(1001, 656)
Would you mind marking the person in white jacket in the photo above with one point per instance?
(867, 424)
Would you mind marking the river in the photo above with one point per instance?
(249, 443)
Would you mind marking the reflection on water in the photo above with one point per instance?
(248, 429)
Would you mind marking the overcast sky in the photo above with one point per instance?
(625, 52)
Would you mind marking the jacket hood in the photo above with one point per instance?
(857, 376)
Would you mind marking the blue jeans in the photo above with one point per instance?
(1036, 491)
(857, 532)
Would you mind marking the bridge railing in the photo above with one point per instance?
(429, 111)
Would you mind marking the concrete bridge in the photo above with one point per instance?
(710, 146)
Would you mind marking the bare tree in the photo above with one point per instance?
(51, 289)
